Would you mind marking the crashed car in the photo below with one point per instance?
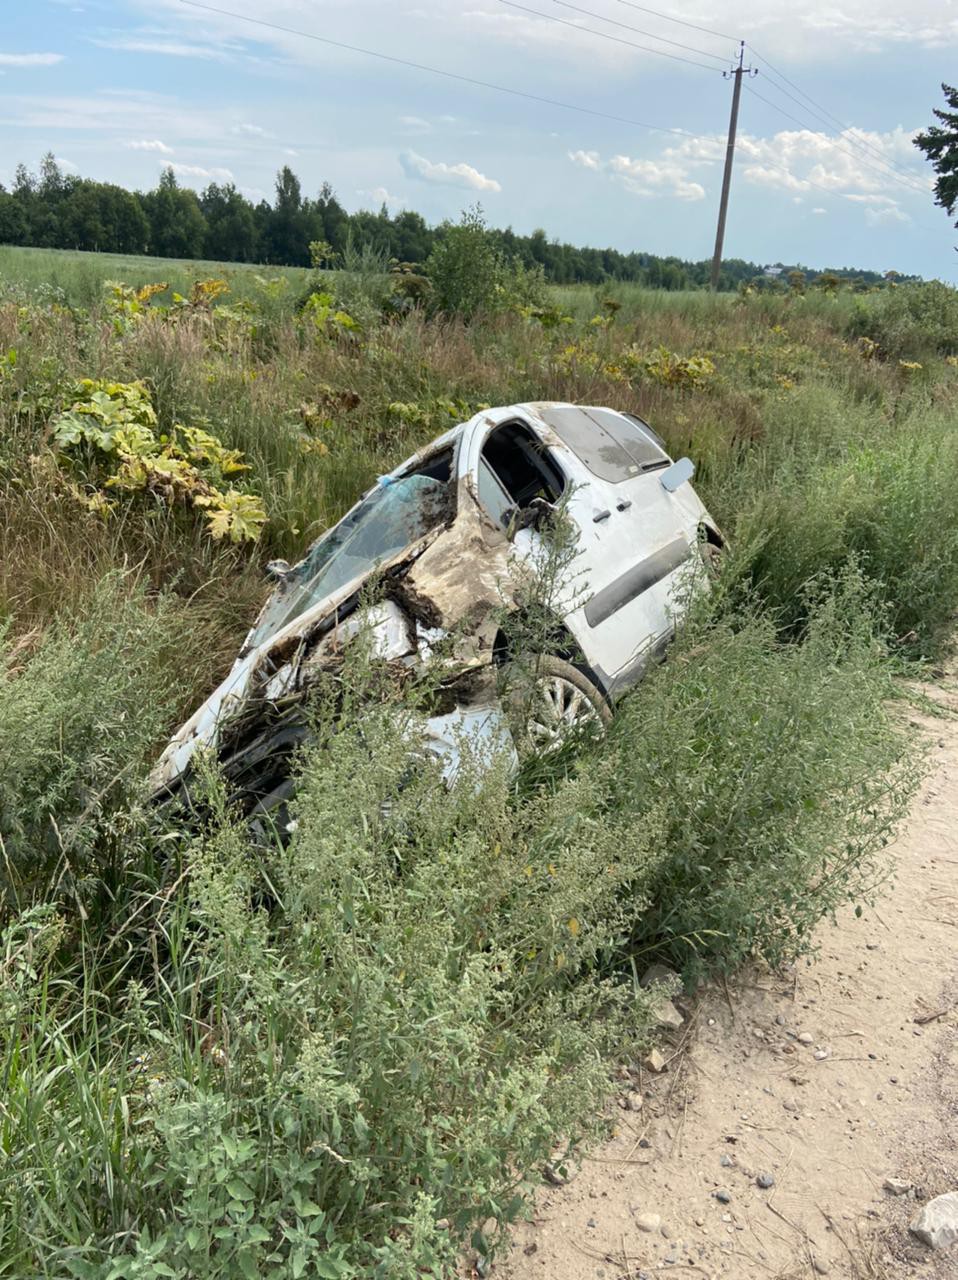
(448, 541)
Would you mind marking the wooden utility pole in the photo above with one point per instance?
(736, 75)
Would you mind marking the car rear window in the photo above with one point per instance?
(613, 447)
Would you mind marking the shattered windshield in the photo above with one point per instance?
(395, 514)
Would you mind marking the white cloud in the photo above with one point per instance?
(452, 175)
(819, 210)
(856, 164)
(149, 144)
(196, 171)
(169, 48)
(67, 165)
(30, 59)
(796, 163)
(252, 131)
(253, 193)
(656, 178)
(878, 217)
(380, 196)
(650, 177)
(587, 159)
(415, 124)
(288, 151)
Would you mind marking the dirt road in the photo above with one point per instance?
(827, 1081)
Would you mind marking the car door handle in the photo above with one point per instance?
(624, 504)
(601, 515)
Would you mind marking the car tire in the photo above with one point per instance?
(549, 699)
(712, 554)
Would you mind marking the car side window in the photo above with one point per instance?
(492, 495)
(516, 468)
(613, 446)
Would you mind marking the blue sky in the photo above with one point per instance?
(118, 88)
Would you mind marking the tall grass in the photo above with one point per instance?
(346, 1055)
(349, 1055)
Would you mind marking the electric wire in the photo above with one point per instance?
(677, 44)
(827, 117)
(604, 35)
(486, 84)
(886, 173)
(449, 75)
(656, 13)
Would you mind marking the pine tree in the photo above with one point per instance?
(940, 145)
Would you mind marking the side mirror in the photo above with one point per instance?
(278, 570)
(677, 474)
(535, 516)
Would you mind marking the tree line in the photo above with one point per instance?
(58, 210)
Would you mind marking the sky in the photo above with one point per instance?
(825, 169)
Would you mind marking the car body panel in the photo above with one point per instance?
(635, 544)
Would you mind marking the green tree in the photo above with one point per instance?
(13, 225)
(177, 225)
(230, 224)
(336, 222)
(287, 232)
(465, 267)
(940, 145)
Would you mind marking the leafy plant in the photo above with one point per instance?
(110, 437)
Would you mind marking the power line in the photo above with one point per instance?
(604, 35)
(885, 172)
(449, 75)
(638, 31)
(824, 114)
(723, 35)
(486, 84)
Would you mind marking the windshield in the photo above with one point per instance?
(395, 514)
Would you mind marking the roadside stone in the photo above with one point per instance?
(668, 1017)
(634, 1101)
(897, 1186)
(659, 973)
(650, 1222)
(722, 1196)
(555, 1177)
(726, 1161)
(821, 1055)
(820, 1266)
(766, 1181)
(654, 1061)
(805, 1037)
(937, 1223)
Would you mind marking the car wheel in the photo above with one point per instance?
(712, 556)
(551, 701)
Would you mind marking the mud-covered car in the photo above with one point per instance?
(435, 561)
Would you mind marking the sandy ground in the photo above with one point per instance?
(830, 1079)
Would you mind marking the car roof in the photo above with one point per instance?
(496, 414)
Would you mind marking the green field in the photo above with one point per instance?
(345, 1056)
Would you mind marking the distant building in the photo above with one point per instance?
(772, 272)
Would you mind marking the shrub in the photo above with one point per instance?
(79, 709)
(465, 267)
(782, 772)
(886, 503)
(471, 275)
(111, 440)
(910, 321)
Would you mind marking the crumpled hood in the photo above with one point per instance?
(200, 729)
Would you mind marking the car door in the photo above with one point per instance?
(508, 475)
(641, 542)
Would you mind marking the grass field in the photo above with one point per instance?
(346, 1057)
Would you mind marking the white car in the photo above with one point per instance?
(451, 541)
